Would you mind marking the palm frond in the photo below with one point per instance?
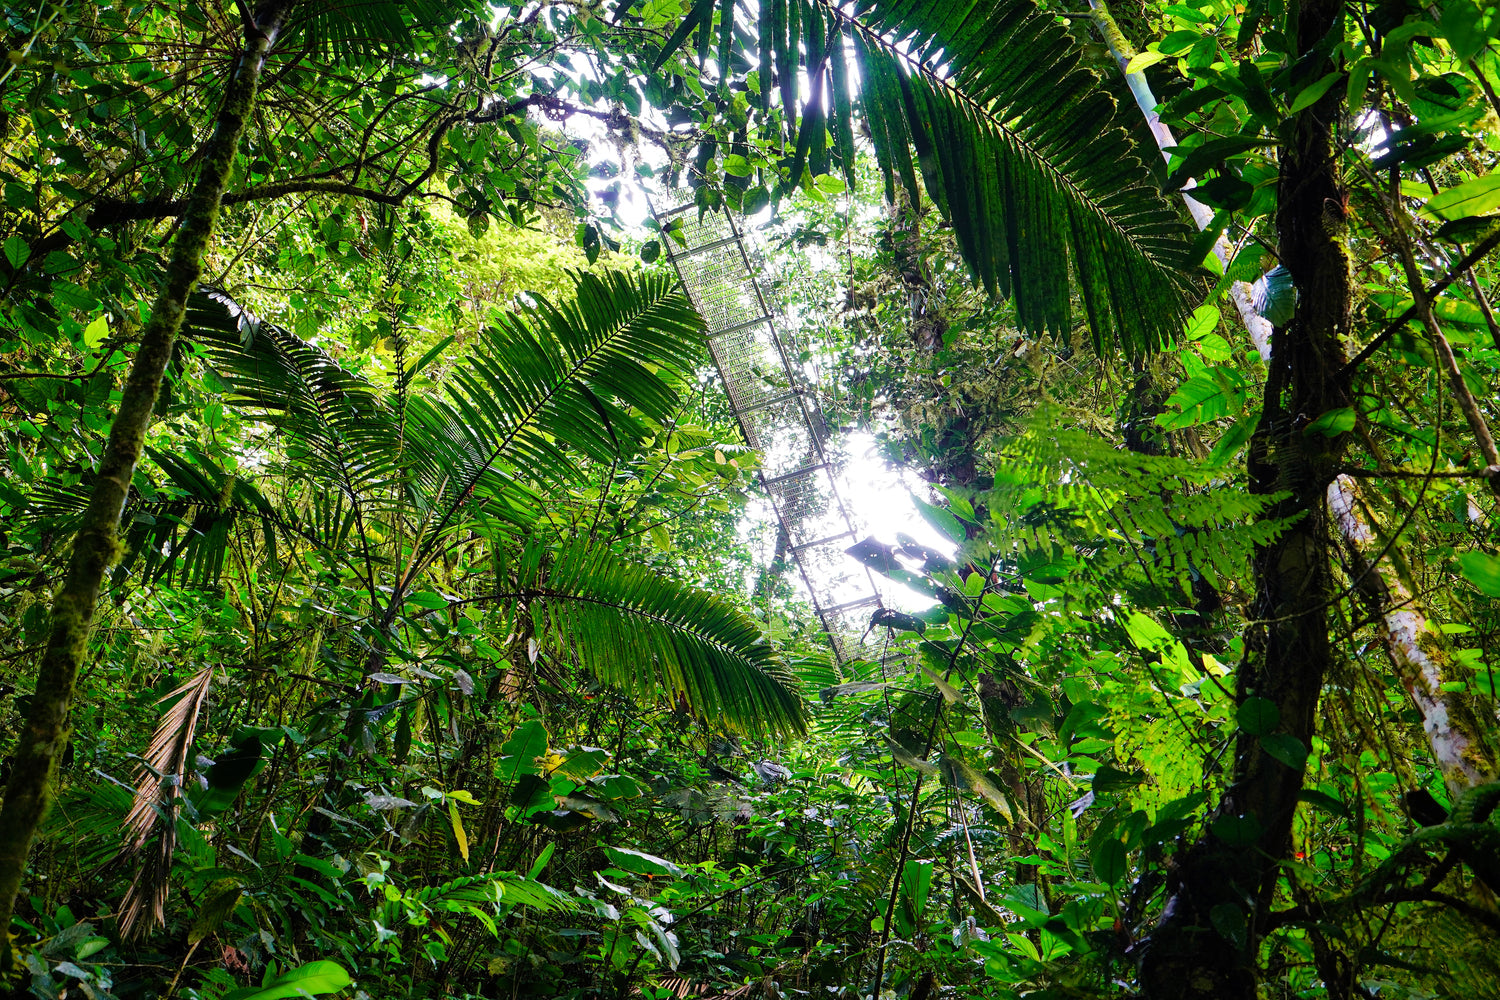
(632, 628)
(555, 382)
(357, 29)
(177, 530)
(1017, 144)
(154, 811)
(337, 427)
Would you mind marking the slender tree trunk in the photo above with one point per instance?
(97, 546)
(1462, 747)
(1207, 942)
(1239, 292)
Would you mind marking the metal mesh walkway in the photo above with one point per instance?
(778, 411)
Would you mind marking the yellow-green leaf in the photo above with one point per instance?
(1478, 196)
(1141, 60)
(458, 829)
(96, 331)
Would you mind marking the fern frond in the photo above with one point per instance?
(1118, 509)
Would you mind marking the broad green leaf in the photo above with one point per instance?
(582, 765)
(1108, 861)
(830, 184)
(1482, 570)
(1258, 716)
(1205, 320)
(519, 754)
(17, 250)
(1333, 423)
(312, 979)
(641, 863)
(1285, 748)
(1477, 196)
(1146, 632)
(1462, 23)
(96, 331)
(1233, 440)
(1210, 394)
(1141, 60)
(1111, 779)
(1309, 95)
(940, 518)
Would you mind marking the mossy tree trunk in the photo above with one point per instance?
(1462, 746)
(1207, 942)
(97, 545)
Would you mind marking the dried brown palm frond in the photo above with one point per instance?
(153, 814)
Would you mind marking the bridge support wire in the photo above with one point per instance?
(778, 412)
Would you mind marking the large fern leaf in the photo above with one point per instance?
(1016, 143)
(646, 634)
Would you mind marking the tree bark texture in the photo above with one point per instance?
(1206, 944)
(97, 546)
(1462, 747)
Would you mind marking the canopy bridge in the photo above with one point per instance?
(777, 407)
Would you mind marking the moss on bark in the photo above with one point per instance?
(1207, 944)
(96, 546)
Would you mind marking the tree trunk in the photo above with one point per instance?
(1206, 944)
(97, 546)
(1239, 292)
(1461, 745)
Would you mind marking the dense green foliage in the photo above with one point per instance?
(438, 654)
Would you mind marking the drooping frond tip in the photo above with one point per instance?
(986, 108)
(649, 635)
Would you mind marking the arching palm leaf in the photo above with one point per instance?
(179, 529)
(631, 627)
(358, 29)
(552, 383)
(1018, 146)
(336, 427)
